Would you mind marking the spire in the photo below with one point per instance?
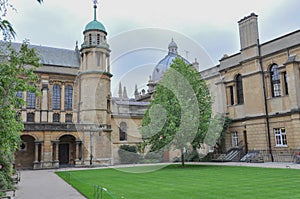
(95, 10)
(120, 91)
(136, 92)
(125, 93)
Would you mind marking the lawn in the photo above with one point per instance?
(191, 182)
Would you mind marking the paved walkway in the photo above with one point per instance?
(45, 184)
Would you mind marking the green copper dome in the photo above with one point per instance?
(95, 25)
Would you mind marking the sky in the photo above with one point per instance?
(139, 31)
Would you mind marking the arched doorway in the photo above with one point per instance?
(25, 155)
(66, 150)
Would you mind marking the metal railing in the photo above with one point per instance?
(99, 192)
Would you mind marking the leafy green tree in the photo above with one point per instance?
(17, 72)
(179, 113)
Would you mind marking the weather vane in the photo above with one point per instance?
(95, 2)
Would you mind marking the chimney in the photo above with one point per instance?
(248, 28)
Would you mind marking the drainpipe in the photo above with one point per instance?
(265, 101)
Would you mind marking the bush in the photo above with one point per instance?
(128, 154)
(6, 181)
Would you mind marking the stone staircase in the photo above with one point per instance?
(233, 155)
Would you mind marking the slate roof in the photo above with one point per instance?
(55, 56)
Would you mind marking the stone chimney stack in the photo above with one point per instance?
(248, 28)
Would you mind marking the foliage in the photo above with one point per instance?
(180, 112)
(17, 70)
(128, 154)
(192, 181)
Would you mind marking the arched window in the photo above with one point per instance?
(68, 97)
(56, 117)
(30, 100)
(123, 131)
(275, 81)
(239, 89)
(56, 97)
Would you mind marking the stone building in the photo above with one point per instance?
(260, 86)
(76, 121)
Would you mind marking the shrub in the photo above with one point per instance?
(128, 154)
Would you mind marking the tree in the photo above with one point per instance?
(180, 111)
(17, 74)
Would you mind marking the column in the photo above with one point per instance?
(55, 161)
(77, 156)
(36, 157)
(37, 163)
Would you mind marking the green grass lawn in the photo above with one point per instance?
(191, 182)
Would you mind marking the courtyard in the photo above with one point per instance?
(202, 180)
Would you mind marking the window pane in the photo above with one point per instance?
(30, 100)
(239, 89)
(275, 81)
(56, 97)
(68, 97)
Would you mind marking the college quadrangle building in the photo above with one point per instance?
(76, 121)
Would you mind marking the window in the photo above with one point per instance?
(122, 131)
(68, 97)
(275, 81)
(239, 89)
(90, 39)
(69, 117)
(231, 95)
(235, 139)
(30, 100)
(19, 95)
(56, 117)
(286, 89)
(56, 97)
(280, 137)
(23, 146)
(98, 39)
(30, 117)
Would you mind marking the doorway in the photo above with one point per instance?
(63, 154)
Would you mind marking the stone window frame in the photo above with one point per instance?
(69, 97)
(123, 131)
(235, 139)
(280, 137)
(56, 96)
(239, 89)
(30, 116)
(56, 117)
(275, 80)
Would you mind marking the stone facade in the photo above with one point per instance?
(75, 120)
(261, 86)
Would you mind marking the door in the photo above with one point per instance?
(63, 154)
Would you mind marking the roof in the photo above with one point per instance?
(95, 25)
(55, 56)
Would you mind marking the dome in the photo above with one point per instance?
(164, 64)
(95, 25)
(172, 44)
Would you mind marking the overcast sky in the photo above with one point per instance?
(211, 25)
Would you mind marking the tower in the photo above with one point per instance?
(94, 92)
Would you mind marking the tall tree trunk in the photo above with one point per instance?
(182, 157)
